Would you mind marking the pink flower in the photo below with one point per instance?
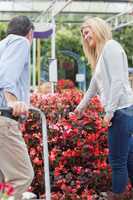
(32, 151)
(6, 189)
(37, 161)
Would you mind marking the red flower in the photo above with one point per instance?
(2, 186)
(6, 189)
(32, 151)
(56, 172)
(37, 161)
(53, 154)
(74, 117)
(9, 190)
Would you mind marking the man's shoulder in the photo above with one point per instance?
(3, 41)
(3, 44)
(12, 38)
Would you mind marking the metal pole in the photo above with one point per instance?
(45, 152)
(53, 45)
(46, 157)
(53, 39)
(38, 60)
(34, 64)
(44, 12)
(66, 4)
(45, 146)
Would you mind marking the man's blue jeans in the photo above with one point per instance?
(120, 139)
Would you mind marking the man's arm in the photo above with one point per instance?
(12, 64)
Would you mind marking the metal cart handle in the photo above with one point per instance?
(45, 147)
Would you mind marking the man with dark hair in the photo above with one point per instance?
(20, 25)
(15, 164)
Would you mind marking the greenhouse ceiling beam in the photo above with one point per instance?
(17, 12)
(6, 17)
(35, 7)
(80, 6)
(87, 13)
(54, 9)
(121, 20)
(123, 1)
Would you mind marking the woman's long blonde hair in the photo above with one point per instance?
(102, 33)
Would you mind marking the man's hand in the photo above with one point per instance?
(19, 108)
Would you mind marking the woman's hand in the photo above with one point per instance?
(107, 121)
(75, 112)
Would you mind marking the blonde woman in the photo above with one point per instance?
(110, 80)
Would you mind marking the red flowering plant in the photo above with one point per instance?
(6, 191)
(64, 84)
(77, 147)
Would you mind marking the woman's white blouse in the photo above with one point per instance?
(110, 80)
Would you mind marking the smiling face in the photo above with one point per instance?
(89, 36)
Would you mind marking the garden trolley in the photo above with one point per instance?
(45, 146)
